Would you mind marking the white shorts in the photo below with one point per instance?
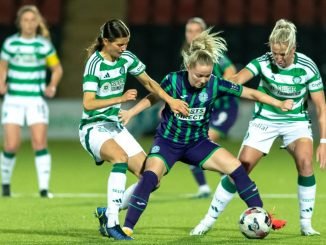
(262, 133)
(16, 110)
(94, 135)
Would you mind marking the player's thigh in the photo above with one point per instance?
(222, 161)
(97, 140)
(128, 143)
(249, 157)
(260, 135)
(37, 112)
(112, 152)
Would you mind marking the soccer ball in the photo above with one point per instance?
(255, 223)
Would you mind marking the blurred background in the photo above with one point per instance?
(157, 34)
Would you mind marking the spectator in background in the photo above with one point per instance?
(225, 109)
(284, 74)
(25, 57)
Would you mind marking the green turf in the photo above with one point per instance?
(170, 215)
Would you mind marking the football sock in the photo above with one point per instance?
(139, 199)
(116, 187)
(223, 195)
(247, 189)
(43, 168)
(127, 195)
(306, 196)
(7, 162)
(198, 174)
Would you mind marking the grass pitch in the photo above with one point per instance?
(79, 186)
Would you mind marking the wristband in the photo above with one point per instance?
(323, 141)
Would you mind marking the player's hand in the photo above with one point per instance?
(130, 94)
(3, 88)
(124, 117)
(50, 91)
(287, 105)
(321, 155)
(179, 106)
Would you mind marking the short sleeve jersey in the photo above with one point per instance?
(181, 129)
(27, 61)
(293, 82)
(107, 79)
(225, 102)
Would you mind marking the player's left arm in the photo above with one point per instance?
(176, 105)
(53, 63)
(229, 72)
(318, 98)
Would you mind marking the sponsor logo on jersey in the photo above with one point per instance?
(203, 97)
(195, 114)
(296, 80)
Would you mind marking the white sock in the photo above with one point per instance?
(127, 195)
(43, 169)
(116, 189)
(220, 200)
(306, 196)
(7, 167)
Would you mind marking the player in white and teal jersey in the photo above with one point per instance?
(185, 138)
(285, 74)
(225, 109)
(25, 57)
(101, 133)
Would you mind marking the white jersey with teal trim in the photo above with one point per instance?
(26, 64)
(293, 82)
(107, 79)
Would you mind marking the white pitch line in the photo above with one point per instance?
(158, 197)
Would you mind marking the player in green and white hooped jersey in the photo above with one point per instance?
(284, 74)
(24, 59)
(101, 133)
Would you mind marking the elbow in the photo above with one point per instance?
(88, 106)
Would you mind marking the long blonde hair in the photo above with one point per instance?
(42, 28)
(284, 32)
(206, 48)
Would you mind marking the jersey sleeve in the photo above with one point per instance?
(136, 67)
(230, 88)
(91, 76)
(315, 82)
(5, 51)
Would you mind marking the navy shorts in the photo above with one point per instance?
(195, 153)
(223, 118)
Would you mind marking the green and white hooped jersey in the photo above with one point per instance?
(107, 79)
(293, 82)
(27, 62)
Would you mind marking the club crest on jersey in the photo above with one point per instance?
(203, 97)
(122, 70)
(296, 80)
(155, 149)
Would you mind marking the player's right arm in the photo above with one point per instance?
(242, 76)
(3, 76)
